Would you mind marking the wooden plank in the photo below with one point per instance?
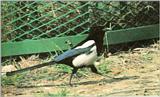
(39, 46)
(133, 34)
(59, 43)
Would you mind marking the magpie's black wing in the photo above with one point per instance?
(67, 54)
(72, 52)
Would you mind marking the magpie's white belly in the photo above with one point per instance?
(85, 59)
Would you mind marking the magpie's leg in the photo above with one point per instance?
(74, 71)
(94, 70)
(76, 76)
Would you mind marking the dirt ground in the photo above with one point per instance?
(135, 72)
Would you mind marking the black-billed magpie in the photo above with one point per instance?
(82, 55)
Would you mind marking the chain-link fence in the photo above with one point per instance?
(37, 20)
(45, 19)
(33, 20)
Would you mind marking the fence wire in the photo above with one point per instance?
(23, 20)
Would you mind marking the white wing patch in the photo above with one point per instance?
(86, 59)
(86, 44)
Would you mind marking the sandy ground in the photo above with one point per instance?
(135, 73)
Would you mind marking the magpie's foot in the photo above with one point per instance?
(76, 76)
(71, 85)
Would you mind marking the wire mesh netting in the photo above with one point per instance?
(45, 19)
(34, 20)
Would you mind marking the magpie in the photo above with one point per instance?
(84, 54)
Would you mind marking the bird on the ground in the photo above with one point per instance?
(82, 55)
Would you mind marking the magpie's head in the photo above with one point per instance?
(97, 34)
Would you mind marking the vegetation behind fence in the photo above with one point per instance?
(34, 20)
(45, 19)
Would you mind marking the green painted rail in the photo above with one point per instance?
(59, 43)
(133, 34)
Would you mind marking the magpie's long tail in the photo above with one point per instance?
(30, 68)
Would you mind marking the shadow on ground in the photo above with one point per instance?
(104, 81)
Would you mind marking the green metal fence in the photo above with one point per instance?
(45, 26)
(36, 20)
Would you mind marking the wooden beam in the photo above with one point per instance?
(39, 46)
(59, 43)
(133, 34)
